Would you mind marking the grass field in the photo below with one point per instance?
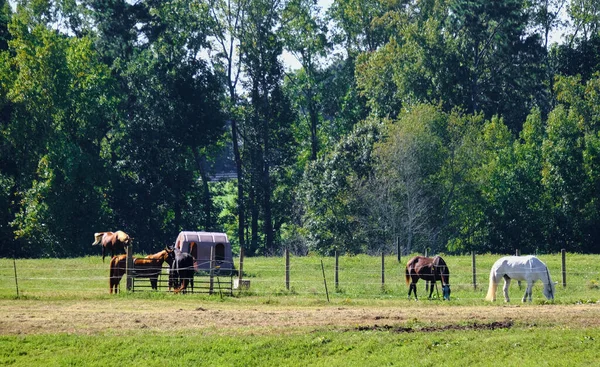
(64, 316)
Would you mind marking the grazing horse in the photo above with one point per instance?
(527, 268)
(112, 241)
(428, 269)
(181, 272)
(146, 267)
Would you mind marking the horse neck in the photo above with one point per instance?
(444, 274)
(441, 271)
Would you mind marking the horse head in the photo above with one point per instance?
(446, 291)
(170, 255)
(549, 289)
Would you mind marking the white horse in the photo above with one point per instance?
(526, 268)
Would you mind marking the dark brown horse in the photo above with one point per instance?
(430, 270)
(181, 272)
(146, 267)
(112, 241)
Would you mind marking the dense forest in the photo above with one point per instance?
(452, 125)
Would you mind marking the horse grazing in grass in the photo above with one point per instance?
(112, 241)
(526, 268)
(146, 267)
(181, 272)
(430, 270)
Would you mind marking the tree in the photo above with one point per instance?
(406, 160)
(268, 114)
(61, 100)
(229, 17)
(330, 193)
(174, 117)
(305, 37)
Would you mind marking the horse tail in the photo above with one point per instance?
(98, 238)
(407, 275)
(491, 294)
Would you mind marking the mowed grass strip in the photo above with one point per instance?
(515, 346)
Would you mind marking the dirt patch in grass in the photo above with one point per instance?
(124, 316)
(430, 329)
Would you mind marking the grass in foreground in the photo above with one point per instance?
(510, 347)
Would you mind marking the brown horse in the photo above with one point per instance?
(146, 267)
(430, 270)
(112, 241)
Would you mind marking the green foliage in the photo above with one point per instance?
(444, 124)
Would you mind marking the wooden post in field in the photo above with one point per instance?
(518, 253)
(129, 270)
(241, 272)
(336, 279)
(563, 254)
(16, 281)
(427, 285)
(212, 271)
(474, 270)
(287, 269)
(398, 248)
(325, 280)
(382, 269)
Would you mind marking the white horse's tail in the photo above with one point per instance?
(491, 294)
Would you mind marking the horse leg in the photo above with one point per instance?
(505, 288)
(528, 291)
(414, 288)
(431, 284)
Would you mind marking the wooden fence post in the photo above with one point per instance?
(211, 283)
(16, 281)
(324, 280)
(518, 253)
(474, 270)
(427, 285)
(398, 248)
(563, 253)
(129, 267)
(382, 269)
(337, 267)
(241, 272)
(287, 269)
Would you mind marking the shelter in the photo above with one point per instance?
(207, 242)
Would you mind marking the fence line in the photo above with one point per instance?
(296, 277)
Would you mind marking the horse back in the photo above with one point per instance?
(184, 262)
(146, 267)
(420, 267)
(519, 267)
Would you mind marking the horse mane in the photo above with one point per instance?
(441, 269)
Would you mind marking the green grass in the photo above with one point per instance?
(75, 281)
(512, 347)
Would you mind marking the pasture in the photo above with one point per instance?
(65, 316)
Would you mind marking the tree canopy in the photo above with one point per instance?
(447, 125)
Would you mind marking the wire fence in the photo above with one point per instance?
(357, 277)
